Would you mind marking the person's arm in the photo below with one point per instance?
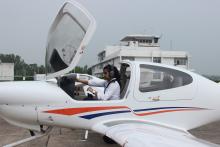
(96, 82)
(82, 81)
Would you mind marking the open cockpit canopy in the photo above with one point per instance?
(69, 34)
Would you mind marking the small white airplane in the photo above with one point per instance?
(158, 104)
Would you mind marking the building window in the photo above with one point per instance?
(180, 61)
(101, 56)
(156, 40)
(157, 59)
(147, 41)
(153, 78)
(100, 66)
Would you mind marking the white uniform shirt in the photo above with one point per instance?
(111, 92)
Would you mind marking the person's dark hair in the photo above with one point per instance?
(114, 73)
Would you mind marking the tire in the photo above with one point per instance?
(108, 140)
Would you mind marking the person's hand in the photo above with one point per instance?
(92, 90)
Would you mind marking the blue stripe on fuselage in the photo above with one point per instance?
(161, 108)
(91, 116)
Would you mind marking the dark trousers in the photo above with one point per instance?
(90, 98)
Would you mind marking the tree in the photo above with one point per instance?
(89, 71)
(41, 69)
(21, 68)
(82, 70)
(28, 70)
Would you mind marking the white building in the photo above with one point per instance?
(6, 71)
(139, 48)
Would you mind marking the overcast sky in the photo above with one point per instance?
(191, 25)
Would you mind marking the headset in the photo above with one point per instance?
(111, 75)
(112, 71)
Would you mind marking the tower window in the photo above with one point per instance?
(180, 61)
(157, 59)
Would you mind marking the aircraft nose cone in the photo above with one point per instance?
(14, 93)
(31, 93)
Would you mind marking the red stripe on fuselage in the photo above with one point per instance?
(72, 111)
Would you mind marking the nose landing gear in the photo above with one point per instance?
(33, 137)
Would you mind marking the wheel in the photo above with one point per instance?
(108, 140)
(32, 133)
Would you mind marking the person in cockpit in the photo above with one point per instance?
(111, 84)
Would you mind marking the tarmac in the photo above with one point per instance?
(62, 137)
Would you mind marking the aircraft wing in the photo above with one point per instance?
(144, 135)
